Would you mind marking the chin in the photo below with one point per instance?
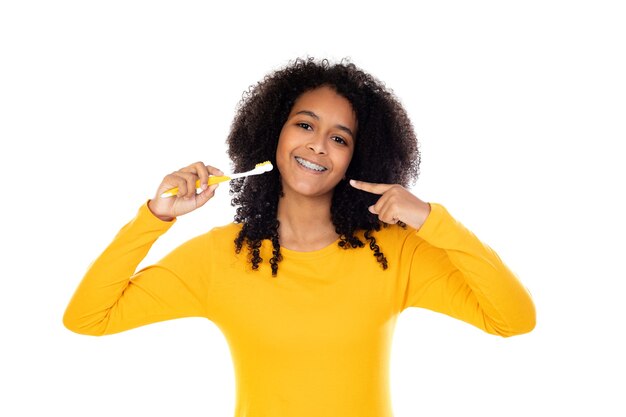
(307, 190)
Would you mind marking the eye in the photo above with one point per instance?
(339, 140)
(304, 125)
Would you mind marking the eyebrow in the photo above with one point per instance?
(316, 117)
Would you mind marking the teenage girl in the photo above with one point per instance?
(324, 253)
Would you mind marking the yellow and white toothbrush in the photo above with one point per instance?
(215, 179)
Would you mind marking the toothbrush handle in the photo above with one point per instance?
(214, 179)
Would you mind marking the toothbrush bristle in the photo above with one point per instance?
(264, 166)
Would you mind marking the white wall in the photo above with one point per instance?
(520, 112)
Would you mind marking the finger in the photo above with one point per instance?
(190, 184)
(196, 170)
(193, 168)
(392, 208)
(377, 207)
(203, 174)
(199, 166)
(385, 216)
(214, 171)
(174, 180)
(204, 171)
(388, 213)
(370, 187)
(206, 195)
(210, 171)
(386, 210)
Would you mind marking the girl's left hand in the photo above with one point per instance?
(396, 204)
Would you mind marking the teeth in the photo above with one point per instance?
(310, 165)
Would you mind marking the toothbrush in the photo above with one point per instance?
(216, 179)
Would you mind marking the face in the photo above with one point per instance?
(316, 143)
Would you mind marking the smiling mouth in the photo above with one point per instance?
(310, 165)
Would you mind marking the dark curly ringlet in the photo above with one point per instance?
(386, 151)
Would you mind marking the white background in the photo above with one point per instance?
(519, 108)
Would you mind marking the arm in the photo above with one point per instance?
(454, 273)
(450, 270)
(112, 298)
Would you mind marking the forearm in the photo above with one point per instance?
(109, 275)
(470, 281)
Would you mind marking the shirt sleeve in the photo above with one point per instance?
(454, 273)
(112, 297)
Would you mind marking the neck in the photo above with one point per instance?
(305, 223)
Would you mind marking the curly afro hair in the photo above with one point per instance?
(386, 151)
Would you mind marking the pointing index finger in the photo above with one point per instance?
(370, 187)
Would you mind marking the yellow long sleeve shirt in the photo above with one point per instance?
(315, 340)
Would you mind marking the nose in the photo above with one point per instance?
(317, 144)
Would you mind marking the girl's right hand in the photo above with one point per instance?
(186, 200)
